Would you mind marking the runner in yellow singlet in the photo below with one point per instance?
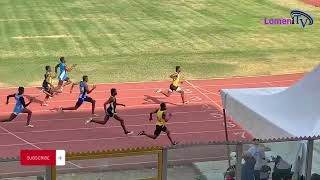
(160, 123)
(174, 86)
(47, 86)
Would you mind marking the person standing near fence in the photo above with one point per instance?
(259, 155)
(282, 169)
(247, 172)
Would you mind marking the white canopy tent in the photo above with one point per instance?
(281, 112)
(277, 112)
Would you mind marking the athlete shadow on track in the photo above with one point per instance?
(35, 99)
(154, 100)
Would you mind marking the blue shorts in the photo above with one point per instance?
(81, 100)
(63, 77)
(18, 109)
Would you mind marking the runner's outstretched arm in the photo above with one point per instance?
(121, 104)
(73, 84)
(8, 97)
(72, 67)
(56, 68)
(165, 117)
(93, 88)
(174, 75)
(24, 103)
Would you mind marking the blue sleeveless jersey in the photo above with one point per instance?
(19, 106)
(83, 92)
(63, 72)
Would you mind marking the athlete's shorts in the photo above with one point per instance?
(174, 88)
(110, 113)
(18, 109)
(81, 100)
(63, 77)
(47, 88)
(159, 129)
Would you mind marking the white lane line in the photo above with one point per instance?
(122, 137)
(114, 126)
(204, 95)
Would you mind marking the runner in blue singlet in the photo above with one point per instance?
(63, 68)
(84, 91)
(20, 107)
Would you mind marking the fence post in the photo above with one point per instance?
(163, 164)
(239, 152)
(51, 173)
(309, 159)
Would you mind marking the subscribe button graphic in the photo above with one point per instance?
(43, 157)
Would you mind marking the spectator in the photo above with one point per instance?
(265, 171)
(281, 170)
(247, 172)
(259, 155)
(231, 173)
(315, 176)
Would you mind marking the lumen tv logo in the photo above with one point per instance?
(297, 18)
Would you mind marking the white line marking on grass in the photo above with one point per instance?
(21, 19)
(45, 37)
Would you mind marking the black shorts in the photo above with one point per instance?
(173, 87)
(47, 89)
(110, 113)
(159, 129)
(81, 100)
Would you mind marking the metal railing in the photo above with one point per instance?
(162, 155)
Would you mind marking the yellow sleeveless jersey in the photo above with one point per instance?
(160, 120)
(48, 77)
(176, 81)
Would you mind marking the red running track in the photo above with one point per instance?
(199, 121)
(313, 2)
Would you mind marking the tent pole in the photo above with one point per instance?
(227, 137)
(225, 125)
